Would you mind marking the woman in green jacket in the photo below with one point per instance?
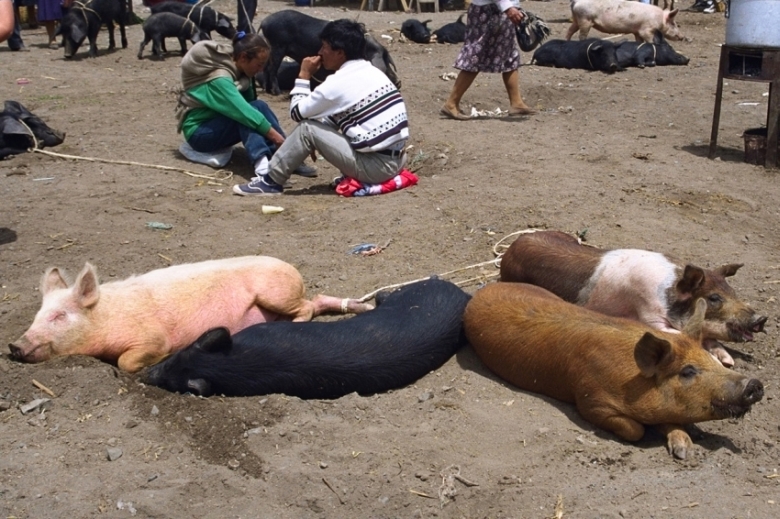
(219, 108)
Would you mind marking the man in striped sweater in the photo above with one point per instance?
(356, 118)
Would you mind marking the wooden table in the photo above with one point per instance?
(751, 64)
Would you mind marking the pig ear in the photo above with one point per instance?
(52, 280)
(76, 33)
(216, 340)
(729, 270)
(86, 288)
(695, 325)
(692, 279)
(672, 14)
(651, 354)
(200, 386)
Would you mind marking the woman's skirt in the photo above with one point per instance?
(490, 44)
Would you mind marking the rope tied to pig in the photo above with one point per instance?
(481, 278)
(85, 8)
(219, 176)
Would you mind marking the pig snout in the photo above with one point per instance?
(25, 351)
(751, 392)
(16, 352)
(744, 331)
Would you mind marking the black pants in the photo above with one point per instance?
(246, 12)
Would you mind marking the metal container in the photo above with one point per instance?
(755, 146)
(753, 23)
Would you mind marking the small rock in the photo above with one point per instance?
(543, 430)
(131, 424)
(422, 476)
(323, 465)
(111, 442)
(427, 395)
(152, 478)
(233, 464)
(113, 453)
(4, 406)
(155, 411)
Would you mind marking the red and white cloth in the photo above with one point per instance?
(352, 187)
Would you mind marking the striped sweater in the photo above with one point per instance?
(360, 101)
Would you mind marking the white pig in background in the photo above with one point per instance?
(141, 320)
(622, 17)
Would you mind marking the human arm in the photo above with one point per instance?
(222, 96)
(6, 19)
(509, 8)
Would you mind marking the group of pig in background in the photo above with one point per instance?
(631, 337)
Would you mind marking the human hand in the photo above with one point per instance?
(515, 15)
(309, 66)
(275, 137)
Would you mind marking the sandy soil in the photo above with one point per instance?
(623, 156)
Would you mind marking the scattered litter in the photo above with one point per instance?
(44, 178)
(271, 209)
(498, 112)
(387, 37)
(369, 249)
(159, 225)
(448, 76)
(745, 103)
(447, 489)
(32, 406)
(22, 81)
(43, 388)
(121, 505)
(565, 109)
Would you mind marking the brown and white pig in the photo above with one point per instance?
(141, 320)
(637, 284)
(622, 16)
(620, 374)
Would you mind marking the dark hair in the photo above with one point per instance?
(346, 35)
(248, 45)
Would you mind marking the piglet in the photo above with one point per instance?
(205, 17)
(637, 284)
(169, 25)
(141, 320)
(590, 54)
(416, 31)
(454, 32)
(622, 16)
(413, 331)
(621, 374)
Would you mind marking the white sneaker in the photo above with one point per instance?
(217, 159)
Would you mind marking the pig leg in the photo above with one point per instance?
(609, 418)
(572, 29)
(141, 49)
(135, 360)
(328, 304)
(122, 34)
(717, 350)
(111, 40)
(183, 44)
(677, 440)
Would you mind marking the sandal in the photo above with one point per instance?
(458, 116)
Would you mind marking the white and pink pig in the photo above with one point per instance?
(141, 320)
(623, 17)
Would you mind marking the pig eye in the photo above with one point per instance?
(714, 299)
(688, 372)
(59, 316)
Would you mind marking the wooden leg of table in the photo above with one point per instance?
(773, 124)
(718, 99)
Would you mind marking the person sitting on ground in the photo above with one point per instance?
(356, 119)
(218, 107)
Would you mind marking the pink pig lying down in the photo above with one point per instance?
(139, 321)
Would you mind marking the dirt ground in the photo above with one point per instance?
(623, 156)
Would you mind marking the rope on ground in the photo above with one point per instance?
(221, 175)
(481, 278)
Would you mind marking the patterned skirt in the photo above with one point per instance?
(490, 44)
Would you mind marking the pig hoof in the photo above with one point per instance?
(680, 452)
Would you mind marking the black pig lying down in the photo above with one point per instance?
(15, 136)
(412, 331)
(589, 54)
(297, 35)
(454, 32)
(660, 53)
(416, 31)
(206, 18)
(83, 21)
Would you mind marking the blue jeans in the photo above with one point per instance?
(222, 131)
(15, 40)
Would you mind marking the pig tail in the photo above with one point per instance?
(249, 45)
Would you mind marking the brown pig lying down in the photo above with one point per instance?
(621, 374)
(141, 320)
(637, 284)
